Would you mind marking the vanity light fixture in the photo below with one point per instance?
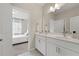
(54, 7)
(57, 6)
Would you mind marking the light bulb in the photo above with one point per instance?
(52, 9)
(57, 6)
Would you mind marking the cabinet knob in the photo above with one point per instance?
(58, 50)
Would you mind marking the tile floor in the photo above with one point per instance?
(31, 53)
(22, 50)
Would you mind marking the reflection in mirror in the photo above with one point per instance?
(19, 22)
(59, 26)
(56, 26)
(19, 26)
(71, 26)
(74, 24)
(51, 26)
(67, 26)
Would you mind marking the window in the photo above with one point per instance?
(17, 26)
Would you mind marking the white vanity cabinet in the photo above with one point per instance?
(67, 52)
(52, 46)
(55, 50)
(37, 42)
(40, 44)
(57, 47)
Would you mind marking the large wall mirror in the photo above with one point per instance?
(56, 26)
(67, 25)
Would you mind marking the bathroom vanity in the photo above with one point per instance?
(56, 45)
(55, 42)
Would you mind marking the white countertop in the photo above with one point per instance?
(60, 36)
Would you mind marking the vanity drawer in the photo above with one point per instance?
(51, 40)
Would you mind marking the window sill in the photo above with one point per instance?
(18, 36)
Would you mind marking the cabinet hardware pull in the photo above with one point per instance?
(56, 49)
(39, 40)
(59, 50)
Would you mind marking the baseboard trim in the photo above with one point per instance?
(32, 49)
(19, 43)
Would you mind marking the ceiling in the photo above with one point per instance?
(65, 6)
(28, 4)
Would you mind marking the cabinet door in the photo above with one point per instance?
(37, 43)
(67, 52)
(43, 45)
(52, 49)
(40, 44)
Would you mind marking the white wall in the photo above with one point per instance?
(6, 28)
(36, 17)
(74, 24)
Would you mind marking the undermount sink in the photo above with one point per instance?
(68, 38)
(63, 37)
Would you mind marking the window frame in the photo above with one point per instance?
(14, 19)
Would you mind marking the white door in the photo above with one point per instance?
(1, 29)
(5, 29)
